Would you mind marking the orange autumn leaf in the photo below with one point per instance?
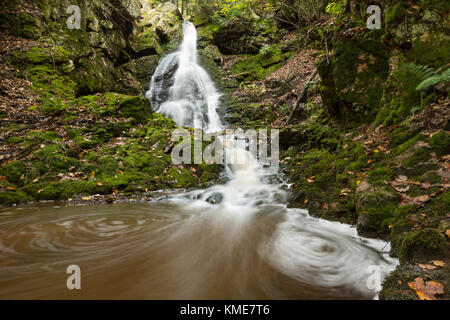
(427, 290)
(447, 233)
(427, 266)
(438, 263)
(311, 179)
(99, 183)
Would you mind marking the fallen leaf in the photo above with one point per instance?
(115, 191)
(92, 174)
(426, 266)
(447, 233)
(358, 182)
(11, 188)
(428, 290)
(40, 190)
(86, 198)
(99, 183)
(414, 200)
(3, 178)
(311, 179)
(401, 189)
(438, 263)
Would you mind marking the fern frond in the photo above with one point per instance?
(434, 80)
(421, 72)
(429, 82)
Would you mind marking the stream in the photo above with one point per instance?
(238, 240)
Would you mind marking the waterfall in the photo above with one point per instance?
(182, 90)
(247, 218)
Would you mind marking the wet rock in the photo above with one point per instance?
(163, 81)
(165, 20)
(374, 205)
(215, 198)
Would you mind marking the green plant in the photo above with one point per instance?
(434, 79)
(336, 8)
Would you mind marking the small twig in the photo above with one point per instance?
(302, 98)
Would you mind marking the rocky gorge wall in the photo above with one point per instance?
(74, 121)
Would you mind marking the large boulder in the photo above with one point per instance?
(354, 77)
(159, 30)
(111, 38)
(164, 21)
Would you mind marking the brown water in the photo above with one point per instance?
(181, 249)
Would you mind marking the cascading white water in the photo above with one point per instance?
(329, 256)
(238, 240)
(183, 90)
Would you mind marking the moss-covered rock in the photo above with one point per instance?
(425, 243)
(138, 108)
(353, 81)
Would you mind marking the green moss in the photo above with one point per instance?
(182, 177)
(108, 165)
(259, 66)
(408, 144)
(14, 140)
(440, 142)
(13, 172)
(208, 172)
(440, 205)
(432, 49)
(400, 136)
(138, 108)
(401, 95)
(91, 156)
(55, 158)
(37, 55)
(378, 174)
(395, 14)
(67, 189)
(145, 162)
(13, 197)
(395, 285)
(419, 156)
(377, 216)
(86, 143)
(422, 243)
